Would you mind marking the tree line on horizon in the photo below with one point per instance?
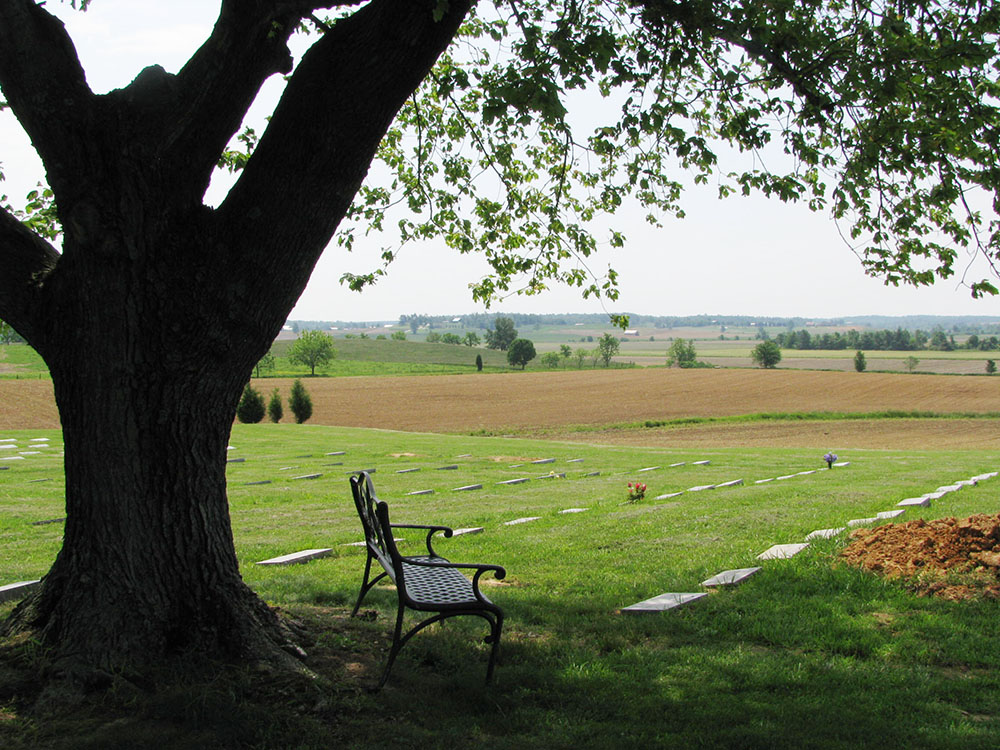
(884, 340)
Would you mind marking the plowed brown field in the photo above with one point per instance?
(550, 401)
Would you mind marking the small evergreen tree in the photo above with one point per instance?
(251, 407)
(859, 361)
(479, 362)
(274, 410)
(300, 403)
(991, 367)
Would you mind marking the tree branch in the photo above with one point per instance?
(317, 149)
(42, 79)
(26, 260)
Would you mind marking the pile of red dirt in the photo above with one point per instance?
(951, 558)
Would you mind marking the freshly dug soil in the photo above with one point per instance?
(949, 557)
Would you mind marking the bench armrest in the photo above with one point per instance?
(431, 530)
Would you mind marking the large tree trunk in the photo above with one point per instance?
(148, 566)
(155, 313)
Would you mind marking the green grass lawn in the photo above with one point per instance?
(808, 653)
(21, 361)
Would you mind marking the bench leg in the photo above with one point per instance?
(494, 638)
(397, 644)
(366, 585)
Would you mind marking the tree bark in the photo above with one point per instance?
(155, 313)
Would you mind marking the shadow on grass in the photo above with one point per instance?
(803, 655)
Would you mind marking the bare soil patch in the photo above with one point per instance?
(27, 405)
(520, 401)
(549, 404)
(948, 557)
(885, 434)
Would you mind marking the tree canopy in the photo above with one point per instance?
(766, 354)
(520, 352)
(502, 334)
(312, 349)
(607, 347)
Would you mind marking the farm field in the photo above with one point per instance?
(570, 403)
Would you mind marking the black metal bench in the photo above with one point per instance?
(424, 583)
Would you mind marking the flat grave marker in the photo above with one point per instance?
(923, 502)
(17, 590)
(337, 453)
(669, 495)
(298, 557)
(764, 481)
(680, 463)
(521, 480)
(782, 551)
(825, 533)
(469, 530)
(574, 510)
(861, 521)
(701, 463)
(662, 603)
(575, 461)
(648, 468)
(420, 492)
(544, 461)
(552, 475)
(47, 522)
(701, 487)
(593, 474)
(468, 488)
(890, 513)
(949, 488)
(262, 481)
(406, 471)
(235, 460)
(308, 476)
(517, 521)
(450, 467)
(733, 483)
(730, 577)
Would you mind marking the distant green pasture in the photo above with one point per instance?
(21, 361)
(808, 653)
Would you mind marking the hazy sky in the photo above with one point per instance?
(738, 256)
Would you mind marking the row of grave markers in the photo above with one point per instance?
(672, 600)
(725, 578)
(11, 444)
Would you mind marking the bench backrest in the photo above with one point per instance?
(378, 534)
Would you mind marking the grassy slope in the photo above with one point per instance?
(806, 653)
